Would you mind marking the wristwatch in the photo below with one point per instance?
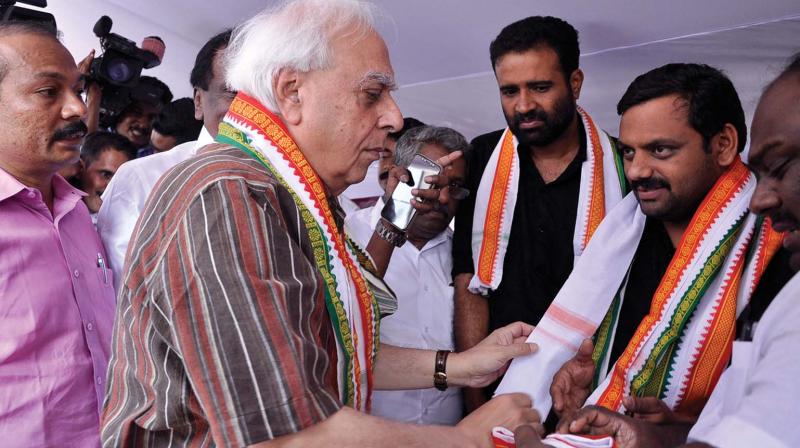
(390, 233)
(440, 370)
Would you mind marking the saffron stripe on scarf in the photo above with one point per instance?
(496, 211)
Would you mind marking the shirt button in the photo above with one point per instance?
(76, 273)
(89, 326)
(99, 380)
(31, 194)
(425, 288)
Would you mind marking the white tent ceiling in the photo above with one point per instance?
(439, 48)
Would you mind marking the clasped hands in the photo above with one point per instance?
(484, 363)
(571, 387)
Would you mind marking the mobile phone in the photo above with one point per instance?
(398, 209)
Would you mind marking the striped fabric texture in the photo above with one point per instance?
(222, 337)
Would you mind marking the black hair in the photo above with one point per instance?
(537, 31)
(25, 27)
(166, 95)
(97, 142)
(155, 85)
(177, 120)
(200, 78)
(14, 28)
(711, 97)
(408, 124)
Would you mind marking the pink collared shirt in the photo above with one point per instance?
(56, 316)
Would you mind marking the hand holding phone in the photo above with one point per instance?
(398, 209)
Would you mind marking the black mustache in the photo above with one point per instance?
(536, 114)
(650, 184)
(70, 130)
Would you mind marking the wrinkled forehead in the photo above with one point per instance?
(365, 51)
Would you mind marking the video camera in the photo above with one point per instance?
(11, 13)
(118, 70)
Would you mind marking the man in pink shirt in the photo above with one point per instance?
(56, 295)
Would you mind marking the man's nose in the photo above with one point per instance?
(638, 168)
(526, 102)
(765, 198)
(391, 117)
(74, 107)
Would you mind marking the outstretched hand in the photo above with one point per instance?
(507, 410)
(596, 420)
(653, 410)
(572, 383)
(94, 94)
(629, 432)
(487, 360)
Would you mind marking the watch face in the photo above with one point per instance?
(440, 380)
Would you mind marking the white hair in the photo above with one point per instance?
(296, 35)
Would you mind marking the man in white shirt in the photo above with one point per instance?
(125, 196)
(419, 273)
(755, 402)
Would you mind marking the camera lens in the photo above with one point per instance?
(119, 70)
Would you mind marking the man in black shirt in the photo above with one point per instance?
(748, 407)
(681, 129)
(509, 264)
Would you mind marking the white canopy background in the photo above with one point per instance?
(439, 48)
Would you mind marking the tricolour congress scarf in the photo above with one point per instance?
(602, 186)
(681, 347)
(351, 305)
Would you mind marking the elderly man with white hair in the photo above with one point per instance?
(246, 314)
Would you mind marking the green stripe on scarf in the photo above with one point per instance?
(683, 312)
(603, 336)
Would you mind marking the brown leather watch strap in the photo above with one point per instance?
(440, 370)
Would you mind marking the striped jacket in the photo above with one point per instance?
(222, 337)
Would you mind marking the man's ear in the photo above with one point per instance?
(80, 168)
(725, 145)
(198, 105)
(287, 95)
(576, 82)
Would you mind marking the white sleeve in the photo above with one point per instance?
(768, 414)
(732, 431)
(123, 200)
